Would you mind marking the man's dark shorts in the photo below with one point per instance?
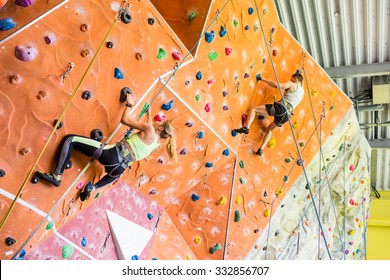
(279, 112)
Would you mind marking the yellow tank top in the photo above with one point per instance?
(140, 149)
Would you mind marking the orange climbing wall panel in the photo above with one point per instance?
(213, 166)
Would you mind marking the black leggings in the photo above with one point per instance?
(88, 146)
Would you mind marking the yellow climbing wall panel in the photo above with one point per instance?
(214, 195)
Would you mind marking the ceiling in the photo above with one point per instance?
(350, 39)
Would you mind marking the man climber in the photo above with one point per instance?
(281, 111)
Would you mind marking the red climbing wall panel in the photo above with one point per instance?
(213, 194)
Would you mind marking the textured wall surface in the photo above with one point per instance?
(237, 192)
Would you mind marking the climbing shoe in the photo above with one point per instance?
(243, 129)
(84, 195)
(259, 152)
(48, 177)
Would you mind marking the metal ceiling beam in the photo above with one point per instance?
(363, 70)
(379, 143)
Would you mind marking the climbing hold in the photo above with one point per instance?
(213, 56)
(187, 82)
(285, 178)
(225, 108)
(209, 82)
(138, 56)
(222, 31)
(84, 27)
(247, 27)
(250, 11)
(222, 200)
(235, 23)
(197, 240)
(124, 92)
(200, 134)
(177, 55)
(69, 164)
(246, 76)
(242, 180)
(97, 195)
(332, 94)
(267, 212)
(24, 3)
(126, 16)
(97, 134)
(85, 53)
(258, 77)
(84, 241)
(21, 256)
(234, 133)
(238, 199)
(314, 92)
(150, 21)
(352, 167)
(226, 152)
(24, 151)
(295, 125)
(2, 173)
(228, 51)
(224, 93)
(256, 27)
(209, 36)
(25, 53)
(10, 241)
(161, 54)
(265, 194)
(6, 24)
(188, 257)
(135, 258)
(60, 125)
(189, 124)
(159, 118)
(49, 38)
(287, 160)
(109, 45)
(198, 75)
(237, 216)
(168, 106)
(278, 192)
(241, 163)
(118, 74)
(209, 164)
(49, 225)
(195, 197)
(331, 108)
(352, 202)
(351, 232)
(277, 232)
(197, 97)
(265, 11)
(192, 16)
(183, 152)
(86, 95)
(67, 251)
(256, 230)
(271, 144)
(150, 216)
(207, 107)
(215, 248)
(152, 192)
(15, 79)
(275, 52)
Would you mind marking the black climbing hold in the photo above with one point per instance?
(256, 230)
(110, 45)
(187, 82)
(34, 179)
(277, 232)
(151, 21)
(124, 92)
(10, 241)
(86, 95)
(265, 194)
(126, 16)
(300, 162)
(2, 173)
(97, 134)
(308, 186)
(247, 27)
(69, 164)
(59, 125)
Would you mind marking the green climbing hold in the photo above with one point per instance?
(241, 164)
(242, 180)
(215, 248)
(197, 97)
(192, 16)
(97, 195)
(213, 56)
(287, 160)
(144, 109)
(162, 54)
(341, 147)
(49, 225)
(301, 144)
(332, 108)
(67, 251)
(285, 178)
(235, 23)
(237, 216)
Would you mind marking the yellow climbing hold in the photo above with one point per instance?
(222, 200)
(238, 199)
(295, 125)
(314, 92)
(360, 225)
(197, 240)
(332, 93)
(188, 257)
(267, 213)
(351, 232)
(271, 143)
(278, 192)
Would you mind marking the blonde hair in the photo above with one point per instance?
(171, 145)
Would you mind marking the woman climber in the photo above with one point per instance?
(281, 111)
(116, 157)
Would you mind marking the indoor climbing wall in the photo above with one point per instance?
(196, 65)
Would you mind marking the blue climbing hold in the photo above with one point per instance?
(199, 75)
(118, 74)
(21, 256)
(135, 258)
(183, 152)
(226, 152)
(261, 117)
(222, 31)
(200, 134)
(7, 24)
(209, 164)
(250, 11)
(154, 259)
(234, 133)
(258, 77)
(150, 216)
(195, 197)
(168, 106)
(209, 36)
(189, 124)
(84, 241)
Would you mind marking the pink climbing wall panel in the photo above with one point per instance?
(210, 91)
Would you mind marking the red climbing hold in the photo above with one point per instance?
(275, 52)
(177, 55)
(209, 82)
(159, 118)
(207, 108)
(228, 51)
